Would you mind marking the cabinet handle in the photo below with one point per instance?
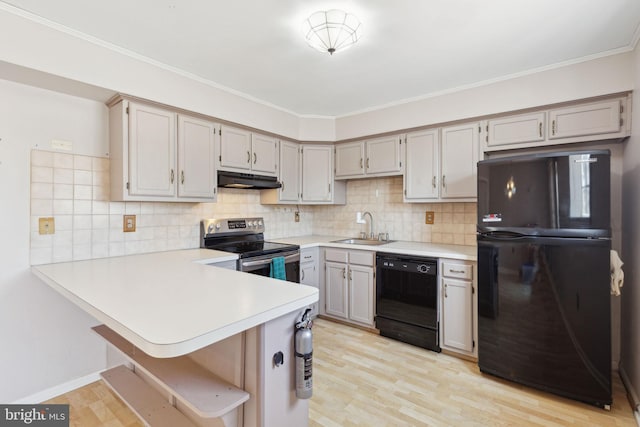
(361, 165)
(182, 177)
(172, 176)
(307, 257)
(248, 157)
(281, 185)
(433, 181)
(553, 127)
(350, 276)
(456, 271)
(445, 291)
(302, 273)
(255, 158)
(344, 273)
(367, 163)
(443, 182)
(540, 129)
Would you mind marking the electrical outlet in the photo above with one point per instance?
(429, 217)
(128, 223)
(297, 216)
(46, 225)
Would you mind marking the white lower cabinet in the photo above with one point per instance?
(309, 272)
(458, 324)
(349, 285)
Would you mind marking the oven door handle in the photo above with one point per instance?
(287, 259)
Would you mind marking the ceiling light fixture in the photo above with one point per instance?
(331, 30)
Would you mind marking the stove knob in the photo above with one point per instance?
(254, 223)
(260, 223)
(210, 229)
(218, 226)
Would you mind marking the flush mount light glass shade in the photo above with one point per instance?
(331, 30)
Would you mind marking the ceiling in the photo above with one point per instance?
(410, 48)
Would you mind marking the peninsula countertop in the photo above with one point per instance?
(172, 303)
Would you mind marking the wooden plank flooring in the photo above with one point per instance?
(362, 379)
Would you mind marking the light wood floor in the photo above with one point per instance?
(362, 379)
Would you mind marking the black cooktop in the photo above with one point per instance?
(248, 249)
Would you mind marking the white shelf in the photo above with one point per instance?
(198, 389)
(143, 400)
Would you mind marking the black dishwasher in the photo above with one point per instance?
(407, 299)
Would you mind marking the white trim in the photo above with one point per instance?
(56, 391)
(107, 45)
(635, 38)
(490, 81)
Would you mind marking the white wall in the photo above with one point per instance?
(602, 76)
(36, 46)
(630, 319)
(45, 339)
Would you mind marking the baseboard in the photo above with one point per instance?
(55, 391)
(631, 393)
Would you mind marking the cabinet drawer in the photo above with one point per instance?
(308, 255)
(337, 255)
(362, 258)
(459, 271)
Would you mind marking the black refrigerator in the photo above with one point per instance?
(543, 272)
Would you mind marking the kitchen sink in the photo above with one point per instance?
(370, 242)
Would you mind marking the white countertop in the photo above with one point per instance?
(171, 303)
(467, 253)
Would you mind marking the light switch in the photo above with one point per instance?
(129, 223)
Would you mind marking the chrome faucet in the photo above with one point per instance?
(371, 235)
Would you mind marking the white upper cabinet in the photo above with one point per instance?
(235, 149)
(371, 158)
(158, 155)
(459, 158)
(441, 164)
(152, 151)
(264, 153)
(579, 122)
(384, 156)
(349, 159)
(196, 158)
(244, 151)
(306, 176)
(421, 176)
(516, 129)
(582, 120)
(318, 186)
(289, 172)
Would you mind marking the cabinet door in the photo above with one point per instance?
(589, 119)
(336, 290)
(516, 129)
(235, 148)
(350, 159)
(152, 151)
(289, 171)
(459, 148)
(309, 276)
(421, 168)
(383, 155)
(457, 314)
(196, 158)
(264, 155)
(361, 294)
(317, 173)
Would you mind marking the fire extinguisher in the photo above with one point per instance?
(304, 356)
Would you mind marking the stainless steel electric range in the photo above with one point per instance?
(245, 237)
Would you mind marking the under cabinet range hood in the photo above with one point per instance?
(247, 181)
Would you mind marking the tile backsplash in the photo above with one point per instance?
(455, 223)
(74, 190)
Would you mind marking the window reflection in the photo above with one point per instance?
(580, 185)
